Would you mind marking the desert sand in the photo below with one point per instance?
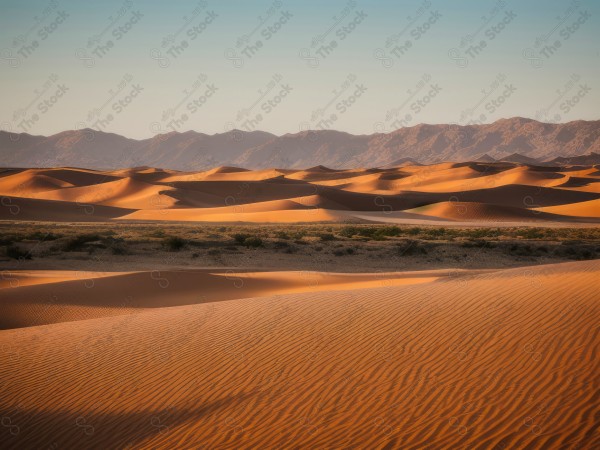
(208, 359)
(445, 193)
(132, 317)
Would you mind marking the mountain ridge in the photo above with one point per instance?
(518, 138)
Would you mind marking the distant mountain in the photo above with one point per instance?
(520, 159)
(401, 162)
(583, 160)
(486, 158)
(517, 139)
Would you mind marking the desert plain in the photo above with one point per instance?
(453, 305)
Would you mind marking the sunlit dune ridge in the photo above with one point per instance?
(484, 192)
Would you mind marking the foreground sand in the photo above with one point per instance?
(501, 359)
(445, 193)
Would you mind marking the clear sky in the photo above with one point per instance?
(138, 68)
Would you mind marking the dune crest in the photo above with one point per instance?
(495, 191)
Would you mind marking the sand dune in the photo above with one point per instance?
(503, 359)
(480, 212)
(504, 191)
(590, 208)
(27, 182)
(124, 193)
(45, 297)
(20, 208)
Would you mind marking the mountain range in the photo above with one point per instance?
(516, 140)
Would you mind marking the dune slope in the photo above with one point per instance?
(506, 359)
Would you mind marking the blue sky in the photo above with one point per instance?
(138, 68)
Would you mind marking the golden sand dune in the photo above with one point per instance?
(481, 212)
(28, 182)
(20, 208)
(228, 174)
(590, 208)
(20, 278)
(318, 194)
(504, 359)
(125, 193)
(43, 297)
(238, 214)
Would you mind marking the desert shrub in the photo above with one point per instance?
(325, 237)
(42, 236)
(414, 231)
(253, 241)
(299, 234)
(282, 235)
(14, 252)
(532, 233)
(214, 252)
(348, 231)
(390, 231)
(79, 242)
(239, 238)
(174, 243)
